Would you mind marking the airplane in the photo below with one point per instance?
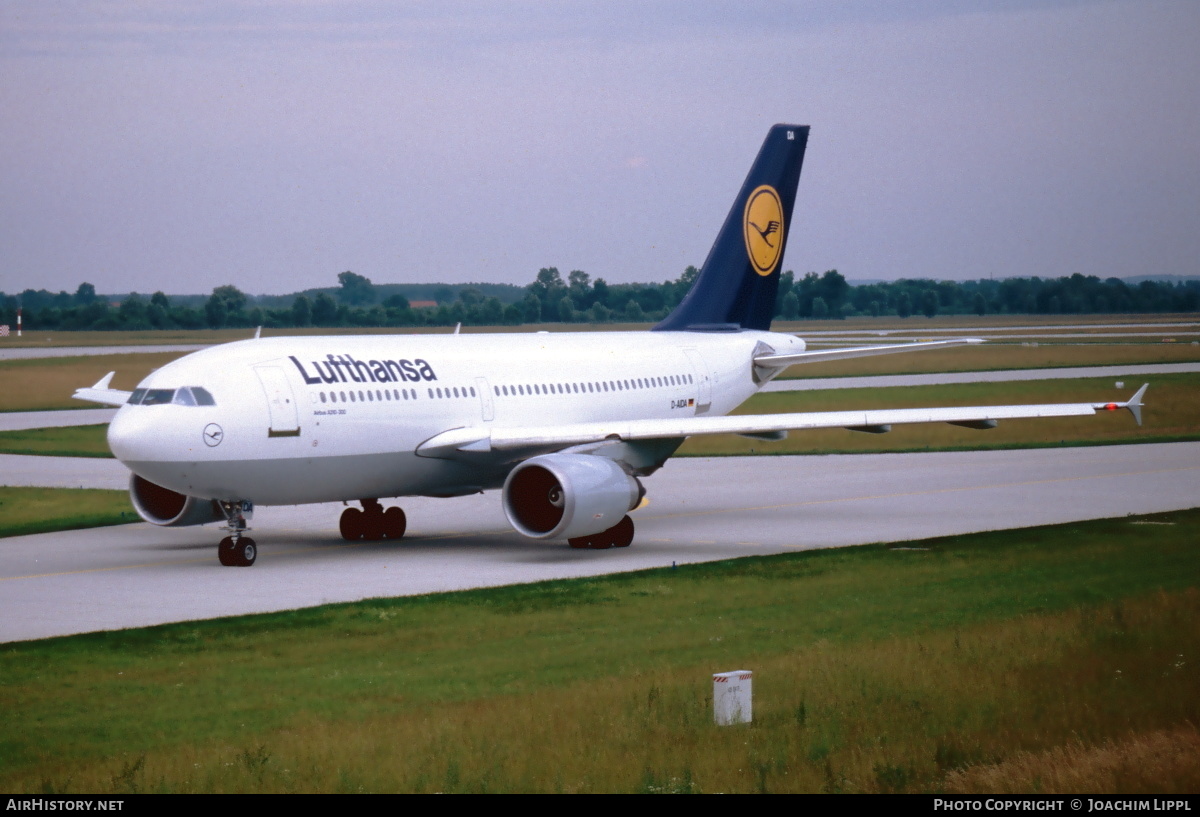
(565, 425)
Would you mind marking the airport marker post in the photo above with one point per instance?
(732, 697)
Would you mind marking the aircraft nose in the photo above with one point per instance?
(133, 436)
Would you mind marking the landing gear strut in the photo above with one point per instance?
(237, 549)
(372, 522)
(619, 535)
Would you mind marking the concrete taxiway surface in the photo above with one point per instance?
(700, 510)
(32, 352)
(24, 420)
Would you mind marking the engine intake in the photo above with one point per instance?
(564, 496)
(162, 506)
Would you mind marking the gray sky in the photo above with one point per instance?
(181, 146)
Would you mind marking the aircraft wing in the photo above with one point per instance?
(101, 393)
(773, 361)
(549, 438)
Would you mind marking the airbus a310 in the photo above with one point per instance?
(565, 425)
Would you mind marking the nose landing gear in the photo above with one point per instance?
(372, 522)
(237, 549)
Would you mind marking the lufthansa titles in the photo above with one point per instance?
(346, 369)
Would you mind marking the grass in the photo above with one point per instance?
(954, 664)
(65, 441)
(42, 510)
(1172, 413)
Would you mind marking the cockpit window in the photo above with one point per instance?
(157, 397)
(186, 396)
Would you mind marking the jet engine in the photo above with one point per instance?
(563, 496)
(162, 506)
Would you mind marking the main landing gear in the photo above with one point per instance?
(237, 549)
(619, 535)
(372, 522)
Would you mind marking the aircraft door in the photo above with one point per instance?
(281, 403)
(485, 399)
(703, 381)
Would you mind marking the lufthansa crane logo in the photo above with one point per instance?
(763, 226)
(213, 435)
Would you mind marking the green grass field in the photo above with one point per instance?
(1001, 661)
(41, 510)
(65, 441)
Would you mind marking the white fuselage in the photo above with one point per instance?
(300, 420)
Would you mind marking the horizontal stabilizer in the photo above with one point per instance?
(782, 361)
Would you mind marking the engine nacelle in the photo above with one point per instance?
(568, 495)
(162, 506)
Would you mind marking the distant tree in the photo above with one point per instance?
(633, 311)
(324, 311)
(301, 311)
(600, 313)
(979, 304)
(356, 290)
(397, 301)
(470, 296)
(159, 299)
(790, 308)
(85, 295)
(904, 305)
(820, 309)
(215, 313)
(875, 309)
(566, 309)
(600, 292)
(492, 312)
(929, 303)
(132, 313)
(532, 307)
(443, 294)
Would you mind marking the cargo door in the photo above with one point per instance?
(281, 403)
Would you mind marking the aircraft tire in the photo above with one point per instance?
(621, 534)
(227, 552)
(247, 552)
(394, 523)
(352, 524)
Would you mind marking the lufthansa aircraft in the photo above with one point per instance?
(565, 425)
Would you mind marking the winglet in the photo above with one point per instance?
(1134, 404)
(103, 382)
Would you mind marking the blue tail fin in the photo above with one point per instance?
(737, 284)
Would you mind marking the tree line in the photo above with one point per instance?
(581, 299)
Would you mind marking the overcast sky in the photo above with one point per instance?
(180, 146)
